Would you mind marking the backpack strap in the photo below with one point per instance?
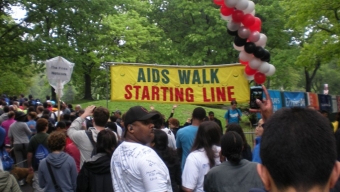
(56, 186)
(89, 135)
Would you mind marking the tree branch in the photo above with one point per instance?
(325, 29)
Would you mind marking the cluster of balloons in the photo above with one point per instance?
(246, 28)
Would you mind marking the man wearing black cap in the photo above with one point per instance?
(134, 166)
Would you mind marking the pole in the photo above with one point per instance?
(58, 97)
(107, 85)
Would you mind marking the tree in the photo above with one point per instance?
(316, 29)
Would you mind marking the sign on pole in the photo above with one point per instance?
(59, 72)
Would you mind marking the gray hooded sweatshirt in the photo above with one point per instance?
(64, 170)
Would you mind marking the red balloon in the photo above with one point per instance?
(243, 62)
(259, 78)
(256, 26)
(248, 20)
(237, 16)
(249, 71)
(226, 11)
(219, 2)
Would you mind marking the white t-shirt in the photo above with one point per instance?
(196, 167)
(171, 137)
(119, 130)
(135, 167)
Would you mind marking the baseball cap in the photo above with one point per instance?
(138, 113)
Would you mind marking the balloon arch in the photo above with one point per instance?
(246, 28)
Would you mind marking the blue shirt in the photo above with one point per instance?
(185, 138)
(2, 135)
(256, 151)
(31, 124)
(232, 115)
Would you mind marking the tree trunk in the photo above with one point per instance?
(53, 95)
(309, 78)
(88, 92)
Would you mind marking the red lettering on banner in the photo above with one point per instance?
(179, 94)
(155, 93)
(212, 94)
(128, 94)
(137, 91)
(171, 94)
(145, 94)
(189, 92)
(230, 93)
(164, 92)
(220, 92)
(205, 99)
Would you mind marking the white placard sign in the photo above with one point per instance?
(59, 72)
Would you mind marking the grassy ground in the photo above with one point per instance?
(182, 112)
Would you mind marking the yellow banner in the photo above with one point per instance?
(215, 84)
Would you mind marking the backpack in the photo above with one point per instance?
(40, 153)
(6, 160)
(89, 135)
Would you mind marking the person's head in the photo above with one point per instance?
(70, 106)
(106, 142)
(6, 109)
(48, 97)
(42, 125)
(113, 118)
(61, 126)
(20, 116)
(233, 104)
(22, 95)
(66, 117)
(232, 146)
(56, 141)
(173, 123)
(158, 122)
(324, 113)
(81, 111)
(77, 108)
(40, 109)
(25, 105)
(46, 112)
(160, 140)
(118, 113)
(32, 115)
(199, 114)
(208, 134)
(30, 109)
(238, 129)
(138, 125)
(11, 115)
(259, 128)
(30, 97)
(211, 115)
(100, 116)
(298, 152)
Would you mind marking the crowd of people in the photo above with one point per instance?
(92, 149)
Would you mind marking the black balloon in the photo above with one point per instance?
(259, 52)
(266, 56)
(250, 47)
(232, 33)
(239, 41)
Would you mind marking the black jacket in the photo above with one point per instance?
(95, 175)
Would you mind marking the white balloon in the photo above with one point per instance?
(226, 18)
(264, 67)
(230, 3)
(262, 41)
(242, 5)
(244, 56)
(253, 13)
(250, 8)
(249, 77)
(232, 26)
(271, 70)
(238, 48)
(255, 63)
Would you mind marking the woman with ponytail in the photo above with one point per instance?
(235, 173)
(204, 155)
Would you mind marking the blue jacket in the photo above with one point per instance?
(256, 151)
